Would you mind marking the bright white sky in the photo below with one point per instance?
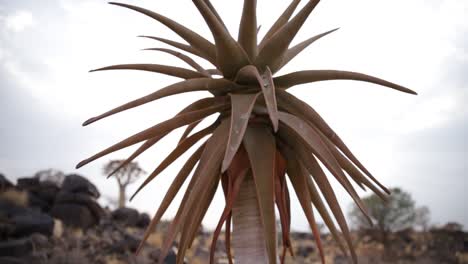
(414, 142)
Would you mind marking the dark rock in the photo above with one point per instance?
(74, 215)
(4, 182)
(41, 194)
(36, 202)
(16, 248)
(129, 243)
(304, 251)
(25, 221)
(126, 216)
(28, 183)
(74, 183)
(47, 191)
(143, 220)
(39, 241)
(10, 260)
(169, 259)
(80, 199)
(33, 222)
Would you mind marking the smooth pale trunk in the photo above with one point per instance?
(122, 197)
(247, 236)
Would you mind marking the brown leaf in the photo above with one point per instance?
(176, 153)
(230, 57)
(299, 182)
(176, 44)
(250, 75)
(294, 51)
(184, 58)
(319, 176)
(171, 193)
(236, 175)
(280, 22)
(248, 28)
(315, 144)
(195, 40)
(206, 175)
(269, 92)
(280, 199)
(241, 108)
(192, 225)
(158, 129)
(148, 143)
(200, 104)
(164, 69)
(306, 112)
(356, 174)
(201, 84)
(272, 52)
(189, 129)
(213, 10)
(317, 201)
(301, 77)
(312, 140)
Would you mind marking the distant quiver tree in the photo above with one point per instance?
(124, 176)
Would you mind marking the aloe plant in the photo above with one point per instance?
(262, 134)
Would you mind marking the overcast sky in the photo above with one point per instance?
(414, 142)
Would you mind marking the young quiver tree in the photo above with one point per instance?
(262, 134)
(124, 175)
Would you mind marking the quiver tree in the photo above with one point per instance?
(124, 175)
(262, 134)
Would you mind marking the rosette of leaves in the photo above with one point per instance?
(262, 130)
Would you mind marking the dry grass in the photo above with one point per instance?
(19, 198)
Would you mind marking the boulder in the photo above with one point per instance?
(24, 221)
(143, 220)
(128, 244)
(74, 215)
(41, 194)
(4, 182)
(83, 200)
(74, 183)
(305, 250)
(28, 183)
(126, 216)
(12, 260)
(16, 248)
(33, 222)
(169, 259)
(39, 241)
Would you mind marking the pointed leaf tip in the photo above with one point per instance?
(81, 164)
(89, 121)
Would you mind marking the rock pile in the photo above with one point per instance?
(75, 204)
(62, 223)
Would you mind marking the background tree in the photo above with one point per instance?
(398, 213)
(125, 175)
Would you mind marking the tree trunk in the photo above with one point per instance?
(122, 197)
(247, 237)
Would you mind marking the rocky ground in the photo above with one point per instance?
(47, 222)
